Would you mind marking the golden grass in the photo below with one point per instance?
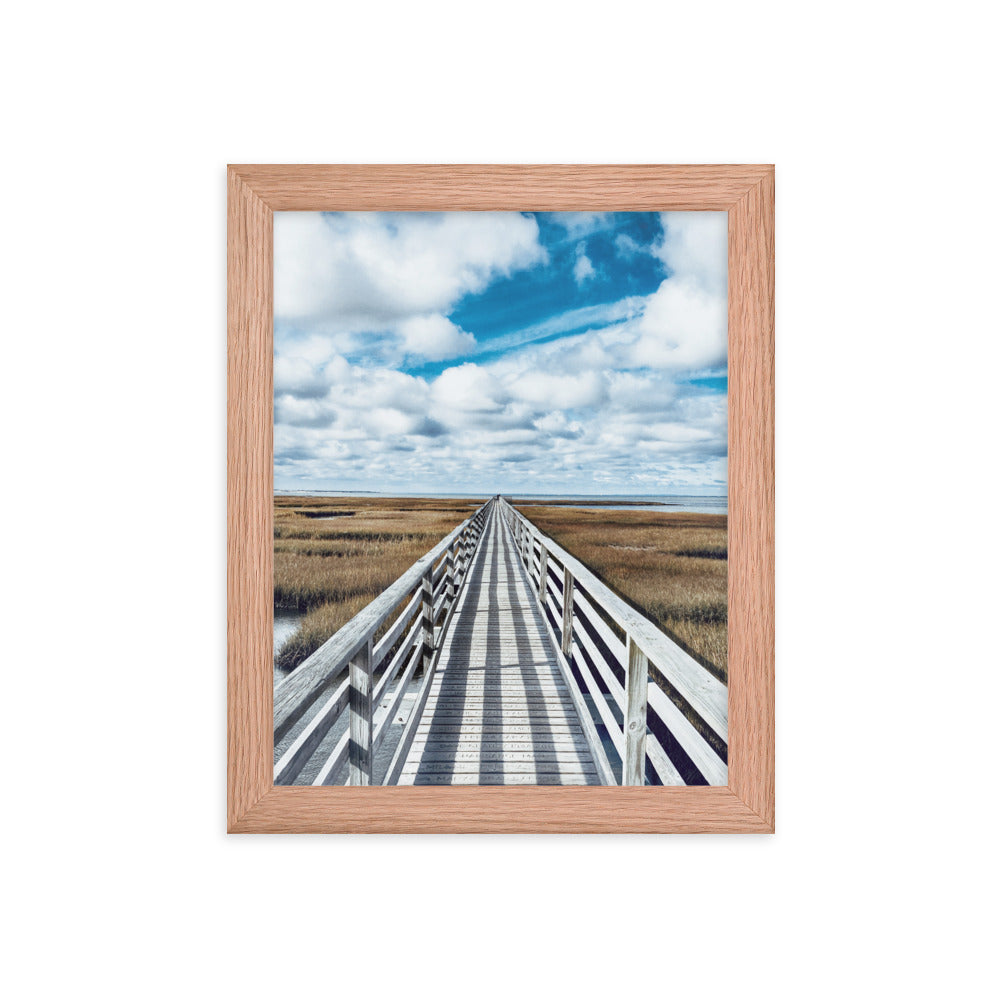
(672, 567)
(332, 556)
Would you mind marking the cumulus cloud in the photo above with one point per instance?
(695, 246)
(559, 392)
(435, 337)
(298, 377)
(361, 273)
(596, 398)
(682, 326)
(469, 388)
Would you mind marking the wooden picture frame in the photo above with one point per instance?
(746, 805)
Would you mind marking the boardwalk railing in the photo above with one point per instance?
(619, 667)
(311, 700)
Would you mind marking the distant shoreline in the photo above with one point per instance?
(335, 554)
(592, 503)
(652, 502)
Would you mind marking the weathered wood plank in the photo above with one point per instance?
(386, 642)
(707, 695)
(428, 617)
(712, 768)
(636, 683)
(567, 605)
(287, 769)
(662, 764)
(416, 712)
(499, 683)
(472, 742)
(567, 752)
(360, 752)
(500, 779)
(498, 767)
(295, 694)
(328, 772)
(472, 725)
(704, 694)
(445, 715)
(600, 702)
(384, 719)
(398, 658)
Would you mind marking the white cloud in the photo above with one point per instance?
(558, 392)
(583, 269)
(610, 407)
(557, 424)
(470, 388)
(435, 337)
(579, 224)
(695, 246)
(573, 319)
(298, 377)
(683, 326)
(369, 273)
(626, 246)
(298, 412)
(386, 421)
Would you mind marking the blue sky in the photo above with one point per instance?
(501, 352)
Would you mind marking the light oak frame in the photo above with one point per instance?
(255, 805)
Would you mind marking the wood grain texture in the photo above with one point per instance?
(249, 461)
(747, 805)
(559, 809)
(636, 684)
(751, 499)
(522, 187)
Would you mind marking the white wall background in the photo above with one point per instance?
(119, 120)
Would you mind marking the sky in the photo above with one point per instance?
(500, 352)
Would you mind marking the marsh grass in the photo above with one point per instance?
(672, 567)
(331, 569)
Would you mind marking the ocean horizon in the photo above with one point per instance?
(694, 503)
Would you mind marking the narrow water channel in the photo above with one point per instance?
(285, 623)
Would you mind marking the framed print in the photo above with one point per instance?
(501, 499)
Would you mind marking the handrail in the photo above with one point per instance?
(353, 648)
(591, 650)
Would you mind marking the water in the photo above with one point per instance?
(662, 502)
(285, 624)
(665, 503)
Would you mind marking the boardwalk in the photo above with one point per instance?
(498, 710)
(499, 658)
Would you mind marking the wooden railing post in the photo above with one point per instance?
(427, 617)
(360, 701)
(567, 629)
(636, 688)
(450, 574)
(543, 575)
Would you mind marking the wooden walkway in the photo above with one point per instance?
(498, 710)
(499, 658)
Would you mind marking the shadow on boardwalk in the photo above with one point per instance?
(498, 710)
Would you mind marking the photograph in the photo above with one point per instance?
(506, 444)
(500, 498)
